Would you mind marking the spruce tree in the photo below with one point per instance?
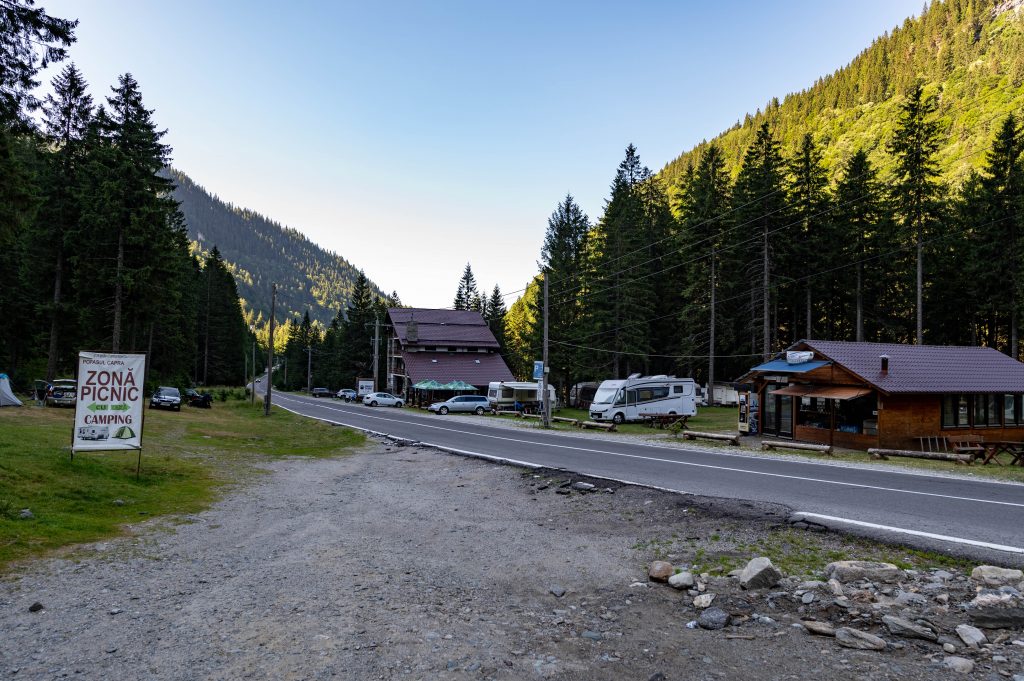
(916, 191)
(494, 315)
(467, 297)
(808, 201)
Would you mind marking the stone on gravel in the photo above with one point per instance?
(26, 514)
(557, 590)
(835, 587)
(681, 580)
(996, 617)
(819, 628)
(949, 648)
(807, 598)
(713, 618)
(660, 571)
(703, 601)
(583, 486)
(991, 575)
(860, 640)
(760, 574)
(958, 664)
(971, 636)
(592, 635)
(856, 570)
(898, 626)
(35, 607)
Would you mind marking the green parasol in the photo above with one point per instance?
(458, 386)
(430, 384)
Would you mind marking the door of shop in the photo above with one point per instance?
(778, 412)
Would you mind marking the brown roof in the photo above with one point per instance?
(454, 328)
(925, 368)
(475, 368)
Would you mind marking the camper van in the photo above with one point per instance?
(723, 395)
(632, 398)
(505, 394)
(93, 432)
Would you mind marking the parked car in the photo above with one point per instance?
(347, 394)
(320, 392)
(62, 393)
(382, 399)
(165, 398)
(467, 403)
(198, 399)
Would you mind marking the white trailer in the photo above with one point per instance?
(505, 394)
(720, 395)
(636, 396)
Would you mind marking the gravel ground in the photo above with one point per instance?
(401, 562)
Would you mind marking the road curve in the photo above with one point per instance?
(979, 519)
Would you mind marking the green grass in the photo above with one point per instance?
(188, 458)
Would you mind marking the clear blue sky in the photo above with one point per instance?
(413, 137)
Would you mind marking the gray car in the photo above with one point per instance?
(466, 403)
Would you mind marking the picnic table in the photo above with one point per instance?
(990, 452)
(663, 420)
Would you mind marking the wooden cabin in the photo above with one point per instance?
(861, 395)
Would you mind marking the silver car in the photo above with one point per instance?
(466, 403)
(382, 399)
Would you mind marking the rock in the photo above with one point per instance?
(592, 635)
(819, 628)
(949, 648)
(958, 664)
(657, 676)
(860, 640)
(713, 618)
(583, 486)
(807, 598)
(854, 570)
(35, 607)
(898, 626)
(118, 502)
(557, 590)
(26, 514)
(835, 587)
(760, 574)
(971, 636)
(998, 617)
(990, 575)
(703, 601)
(681, 580)
(660, 571)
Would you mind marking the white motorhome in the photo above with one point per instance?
(505, 394)
(723, 395)
(632, 398)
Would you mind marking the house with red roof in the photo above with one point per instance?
(885, 395)
(445, 346)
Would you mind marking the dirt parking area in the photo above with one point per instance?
(405, 563)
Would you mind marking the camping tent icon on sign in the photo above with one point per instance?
(124, 433)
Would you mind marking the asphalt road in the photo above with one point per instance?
(974, 518)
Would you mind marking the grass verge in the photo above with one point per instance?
(188, 458)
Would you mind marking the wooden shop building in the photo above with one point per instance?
(887, 395)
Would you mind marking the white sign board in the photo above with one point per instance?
(108, 412)
(364, 386)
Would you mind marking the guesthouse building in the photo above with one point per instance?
(885, 395)
(443, 346)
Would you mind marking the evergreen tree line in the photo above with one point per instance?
(712, 275)
(93, 250)
(334, 357)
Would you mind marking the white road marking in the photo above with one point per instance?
(801, 478)
(915, 533)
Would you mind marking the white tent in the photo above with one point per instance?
(7, 398)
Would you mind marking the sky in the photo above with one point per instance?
(414, 137)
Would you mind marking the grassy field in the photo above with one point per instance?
(188, 458)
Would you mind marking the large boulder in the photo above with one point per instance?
(860, 640)
(660, 571)
(971, 636)
(990, 575)
(713, 618)
(855, 570)
(898, 626)
(681, 580)
(760, 574)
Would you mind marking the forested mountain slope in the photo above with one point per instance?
(259, 252)
(970, 53)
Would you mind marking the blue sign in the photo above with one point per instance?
(538, 370)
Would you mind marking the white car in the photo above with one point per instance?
(382, 400)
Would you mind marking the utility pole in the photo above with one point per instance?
(376, 351)
(544, 358)
(252, 393)
(270, 351)
(309, 370)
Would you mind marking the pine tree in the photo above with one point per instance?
(221, 327)
(915, 188)
(30, 40)
(467, 297)
(494, 315)
(808, 200)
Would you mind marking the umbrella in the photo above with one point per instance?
(428, 385)
(458, 386)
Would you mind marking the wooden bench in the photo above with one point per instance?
(524, 415)
(505, 412)
(565, 419)
(775, 444)
(911, 454)
(972, 446)
(610, 427)
(724, 437)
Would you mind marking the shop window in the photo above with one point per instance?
(857, 415)
(1012, 410)
(955, 411)
(813, 413)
